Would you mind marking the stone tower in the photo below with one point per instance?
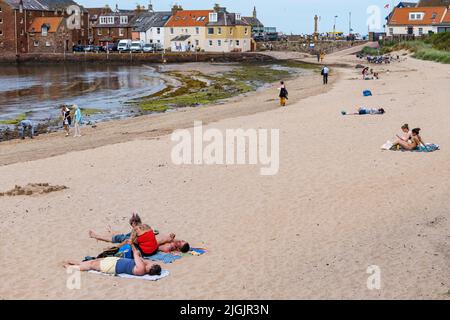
(254, 12)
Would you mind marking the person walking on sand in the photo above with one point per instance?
(283, 94)
(67, 119)
(77, 119)
(325, 72)
(318, 56)
(322, 56)
(24, 125)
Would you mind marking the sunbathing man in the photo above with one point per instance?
(143, 233)
(364, 111)
(113, 265)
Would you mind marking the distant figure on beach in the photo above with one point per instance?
(407, 134)
(77, 121)
(67, 119)
(363, 111)
(114, 265)
(318, 56)
(322, 56)
(283, 94)
(413, 143)
(26, 125)
(325, 71)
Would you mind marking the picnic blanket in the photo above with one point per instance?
(430, 147)
(164, 273)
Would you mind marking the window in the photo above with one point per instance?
(48, 44)
(416, 16)
(158, 30)
(1, 21)
(1, 32)
(197, 42)
(22, 32)
(121, 32)
(210, 43)
(237, 43)
(231, 31)
(210, 30)
(171, 30)
(213, 17)
(36, 43)
(219, 43)
(44, 31)
(123, 19)
(421, 31)
(159, 41)
(99, 32)
(238, 16)
(197, 30)
(391, 31)
(246, 31)
(219, 30)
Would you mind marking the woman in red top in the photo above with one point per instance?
(145, 239)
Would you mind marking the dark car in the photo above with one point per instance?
(92, 48)
(110, 47)
(78, 48)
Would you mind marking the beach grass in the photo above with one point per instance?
(90, 111)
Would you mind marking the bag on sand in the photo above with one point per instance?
(111, 252)
(322, 72)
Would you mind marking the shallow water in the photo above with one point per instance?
(38, 90)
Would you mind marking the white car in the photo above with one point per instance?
(148, 47)
(136, 46)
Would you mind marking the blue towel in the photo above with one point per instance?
(429, 148)
(163, 257)
(367, 93)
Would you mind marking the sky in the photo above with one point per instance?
(289, 16)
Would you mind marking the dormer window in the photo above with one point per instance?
(44, 30)
(238, 16)
(123, 19)
(213, 17)
(416, 16)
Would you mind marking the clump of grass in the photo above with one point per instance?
(433, 55)
(14, 121)
(90, 111)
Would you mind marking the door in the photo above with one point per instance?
(410, 31)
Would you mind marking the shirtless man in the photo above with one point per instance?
(113, 265)
(167, 243)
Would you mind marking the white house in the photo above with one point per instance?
(149, 27)
(416, 21)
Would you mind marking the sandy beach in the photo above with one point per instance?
(337, 206)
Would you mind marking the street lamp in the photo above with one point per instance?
(334, 28)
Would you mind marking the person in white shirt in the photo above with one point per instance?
(325, 72)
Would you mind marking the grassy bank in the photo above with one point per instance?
(201, 89)
(433, 48)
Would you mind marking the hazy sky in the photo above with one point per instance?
(294, 16)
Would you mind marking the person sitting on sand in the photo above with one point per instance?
(114, 265)
(163, 243)
(364, 111)
(416, 141)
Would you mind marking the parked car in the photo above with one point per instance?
(148, 47)
(93, 48)
(78, 48)
(136, 46)
(110, 47)
(157, 47)
(124, 45)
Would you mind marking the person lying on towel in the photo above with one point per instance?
(113, 265)
(364, 111)
(413, 143)
(144, 236)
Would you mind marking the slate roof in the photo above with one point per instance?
(41, 5)
(254, 22)
(227, 19)
(144, 21)
(183, 37)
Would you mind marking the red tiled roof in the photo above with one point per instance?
(433, 15)
(52, 22)
(189, 18)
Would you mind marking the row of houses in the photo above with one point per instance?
(215, 30)
(410, 19)
(55, 26)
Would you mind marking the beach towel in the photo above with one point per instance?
(430, 147)
(367, 93)
(163, 257)
(164, 273)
